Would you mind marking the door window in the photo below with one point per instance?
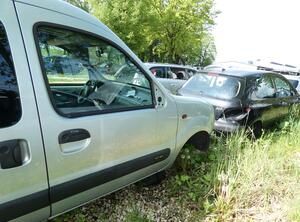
(179, 72)
(283, 89)
(87, 75)
(264, 88)
(10, 106)
(159, 72)
(190, 72)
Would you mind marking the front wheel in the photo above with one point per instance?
(200, 141)
(154, 179)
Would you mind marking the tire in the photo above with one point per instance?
(200, 141)
(153, 180)
(256, 130)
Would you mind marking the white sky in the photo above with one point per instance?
(258, 29)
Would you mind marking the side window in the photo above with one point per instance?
(190, 72)
(87, 75)
(283, 89)
(159, 72)
(294, 83)
(264, 88)
(10, 106)
(170, 74)
(179, 72)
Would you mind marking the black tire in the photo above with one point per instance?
(256, 130)
(200, 141)
(153, 180)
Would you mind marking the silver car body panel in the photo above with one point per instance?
(199, 118)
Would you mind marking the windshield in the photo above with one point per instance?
(213, 85)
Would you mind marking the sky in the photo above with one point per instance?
(258, 29)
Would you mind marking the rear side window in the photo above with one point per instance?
(179, 72)
(283, 89)
(191, 72)
(10, 107)
(294, 83)
(264, 88)
(87, 75)
(159, 72)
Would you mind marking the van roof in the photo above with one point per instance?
(65, 8)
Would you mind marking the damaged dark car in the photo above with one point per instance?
(254, 99)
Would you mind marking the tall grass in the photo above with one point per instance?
(245, 180)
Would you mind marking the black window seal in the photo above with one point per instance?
(37, 25)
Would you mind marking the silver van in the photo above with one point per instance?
(80, 115)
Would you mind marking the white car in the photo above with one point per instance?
(171, 71)
(80, 114)
(171, 76)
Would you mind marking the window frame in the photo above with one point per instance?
(17, 120)
(100, 38)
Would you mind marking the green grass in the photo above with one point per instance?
(294, 212)
(237, 180)
(136, 217)
(245, 180)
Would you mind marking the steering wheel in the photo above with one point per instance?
(88, 88)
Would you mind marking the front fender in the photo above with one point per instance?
(195, 115)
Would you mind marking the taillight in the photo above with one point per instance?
(219, 111)
(248, 109)
(237, 114)
(231, 113)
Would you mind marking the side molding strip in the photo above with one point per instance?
(70, 188)
(24, 205)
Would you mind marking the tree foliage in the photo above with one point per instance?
(83, 4)
(175, 31)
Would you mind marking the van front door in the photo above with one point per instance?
(23, 175)
(96, 104)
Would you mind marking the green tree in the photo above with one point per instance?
(183, 25)
(129, 19)
(207, 51)
(83, 4)
(174, 31)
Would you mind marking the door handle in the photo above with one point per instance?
(73, 135)
(13, 153)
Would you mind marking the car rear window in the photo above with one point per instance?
(214, 85)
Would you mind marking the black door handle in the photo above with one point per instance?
(10, 154)
(73, 135)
